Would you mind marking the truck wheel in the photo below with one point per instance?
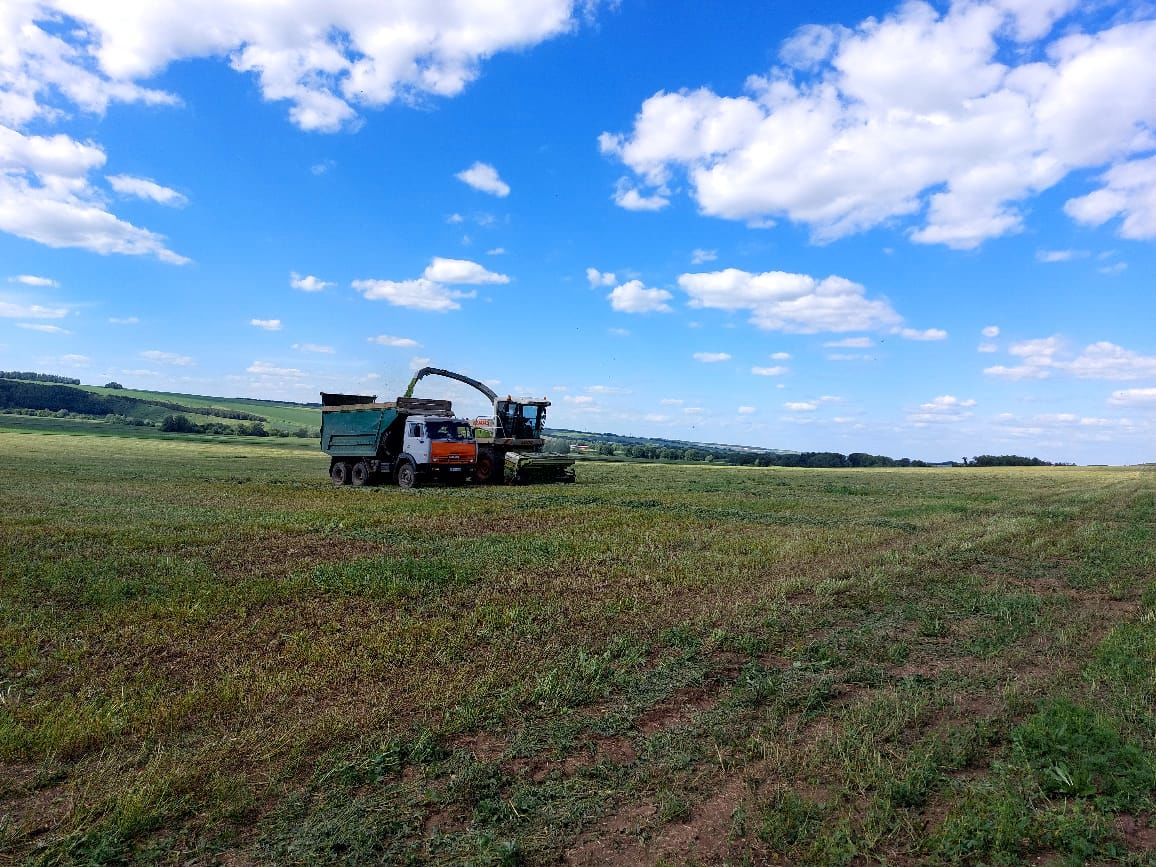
(485, 471)
(360, 474)
(407, 475)
(339, 472)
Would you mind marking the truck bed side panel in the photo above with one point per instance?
(354, 433)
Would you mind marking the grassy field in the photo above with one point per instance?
(210, 655)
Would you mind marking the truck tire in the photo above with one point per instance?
(486, 471)
(339, 473)
(406, 475)
(360, 474)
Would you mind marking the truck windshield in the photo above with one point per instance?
(451, 431)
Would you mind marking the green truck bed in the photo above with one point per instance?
(355, 432)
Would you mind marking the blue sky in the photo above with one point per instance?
(921, 230)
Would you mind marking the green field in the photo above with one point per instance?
(210, 655)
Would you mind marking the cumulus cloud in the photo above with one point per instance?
(326, 60)
(776, 370)
(173, 358)
(484, 177)
(781, 301)
(314, 347)
(432, 290)
(801, 405)
(33, 280)
(264, 368)
(1128, 192)
(747, 410)
(1141, 397)
(461, 271)
(945, 409)
(399, 342)
(42, 327)
(266, 324)
(924, 334)
(419, 294)
(143, 188)
(598, 278)
(634, 297)
(712, 357)
(308, 283)
(990, 331)
(850, 343)
(1044, 357)
(944, 119)
(627, 196)
(13, 309)
(46, 196)
(780, 356)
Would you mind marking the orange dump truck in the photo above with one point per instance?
(409, 441)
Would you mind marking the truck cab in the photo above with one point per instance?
(439, 447)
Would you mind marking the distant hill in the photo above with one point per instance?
(578, 436)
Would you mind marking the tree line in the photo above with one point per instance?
(31, 376)
(34, 394)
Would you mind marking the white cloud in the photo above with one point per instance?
(781, 301)
(626, 196)
(580, 399)
(1103, 360)
(1128, 191)
(945, 409)
(1051, 256)
(949, 117)
(455, 219)
(455, 271)
(430, 292)
(618, 332)
(712, 357)
(400, 342)
(484, 177)
(925, 334)
(747, 410)
(75, 360)
(777, 370)
(801, 405)
(325, 59)
(266, 324)
(693, 410)
(21, 310)
(418, 362)
(32, 280)
(848, 356)
(264, 368)
(990, 331)
(308, 283)
(42, 327)
(496, 251)
(322, 167)
(1114, 269)
(1142, 397)
(598, 278)
(607, 389)
(780, 356)
(143, 188)
(634, 297)
(124, 320)
(172, 358)
(699, 256)
(46, 196)
(419, 294)
(314, 347)
(850, 343)
(672, 401)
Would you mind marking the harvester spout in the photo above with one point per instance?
(460, 377)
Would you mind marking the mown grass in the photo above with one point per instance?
(207, 653)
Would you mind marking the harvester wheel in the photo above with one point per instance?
(485, 471)
(339, 472)
(360, 475)
(407, 475)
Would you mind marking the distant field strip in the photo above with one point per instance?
(209, 654)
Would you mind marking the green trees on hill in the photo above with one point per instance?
(31, 376)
